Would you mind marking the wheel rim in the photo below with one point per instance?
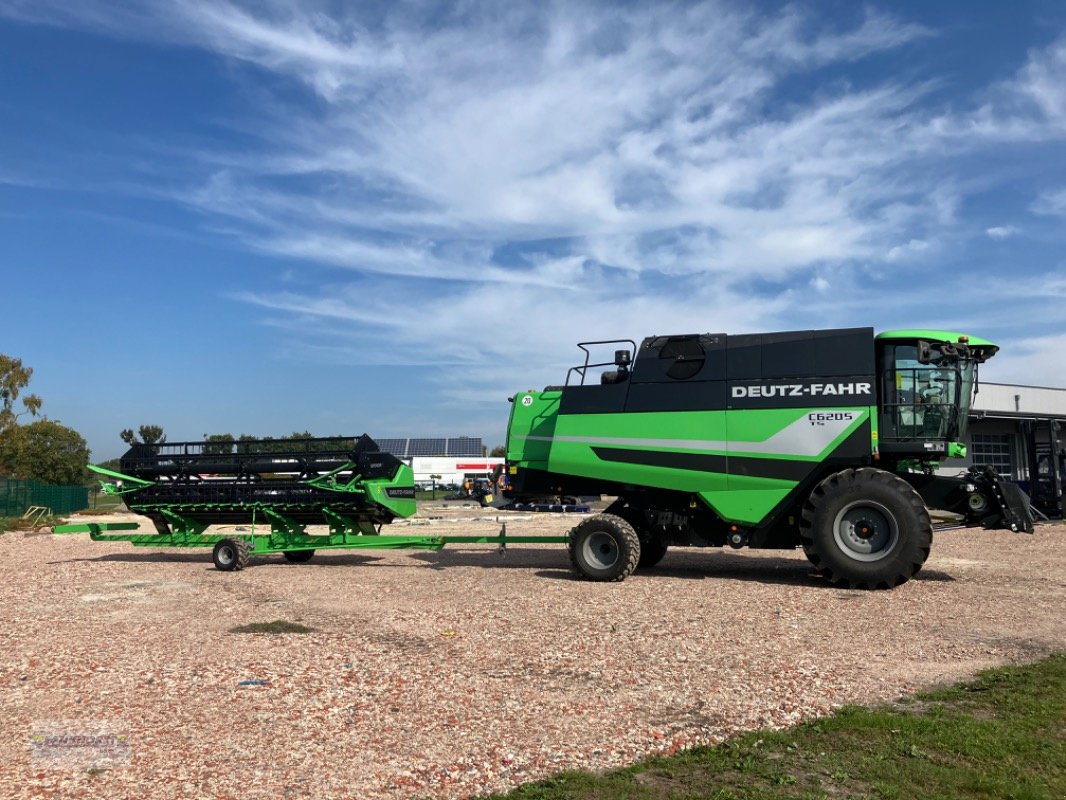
(865, 531)
(600, 550)
(226, 555)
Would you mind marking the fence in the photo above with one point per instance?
(17, 496)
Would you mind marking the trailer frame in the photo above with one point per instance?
(289, 537)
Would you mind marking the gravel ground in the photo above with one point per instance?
(453, 673)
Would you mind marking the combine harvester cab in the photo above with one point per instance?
(827, 440)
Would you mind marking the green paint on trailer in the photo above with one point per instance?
(283, 540)
(115, 489)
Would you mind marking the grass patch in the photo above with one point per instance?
(277, 626)
(1001, 735)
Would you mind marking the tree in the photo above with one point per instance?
(112, 464)
(246, 443)
(44, 451)
(150, 434)
(14, 377)
(218, 443)
(296, 436)
(499, 451)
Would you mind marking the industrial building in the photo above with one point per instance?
(1015, 429)
(442, 460)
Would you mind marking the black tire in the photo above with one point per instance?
(298, 556)
(652, 550)
(866, 529)
(231, 555)
(652, 545)
(604, 548)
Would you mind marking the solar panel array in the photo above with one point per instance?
(427, 447)
(396, 447)
(460, 446)
(465, 446)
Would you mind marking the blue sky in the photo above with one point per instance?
(260, 218)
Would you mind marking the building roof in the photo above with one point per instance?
(1019, 400)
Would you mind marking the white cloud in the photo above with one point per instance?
(1043, 82)
(548, 173)
(1035, 360)
(12, 179)
(908, 251)
(492, 338)
(1029, 106)
(1001, 232)
(577, 120)
(1051, 203)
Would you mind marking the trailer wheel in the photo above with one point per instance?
(866, 528)
(230, 555)
(604, 548)
(298, 556)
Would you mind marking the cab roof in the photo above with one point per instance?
(936, 336)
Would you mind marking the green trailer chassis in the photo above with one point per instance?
(286, 536)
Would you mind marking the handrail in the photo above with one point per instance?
(584, 368)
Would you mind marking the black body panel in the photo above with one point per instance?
(716, 372)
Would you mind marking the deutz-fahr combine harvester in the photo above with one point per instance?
(822, 439)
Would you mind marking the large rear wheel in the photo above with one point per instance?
(604, 548)
(653, 543)
(866, 528)
(652, 550)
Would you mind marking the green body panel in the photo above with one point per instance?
(748, 506)
(577, 434)
(566, 444)
(534, 415)
(374, 490)
(377, 492)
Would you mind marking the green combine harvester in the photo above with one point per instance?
(825, 440)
